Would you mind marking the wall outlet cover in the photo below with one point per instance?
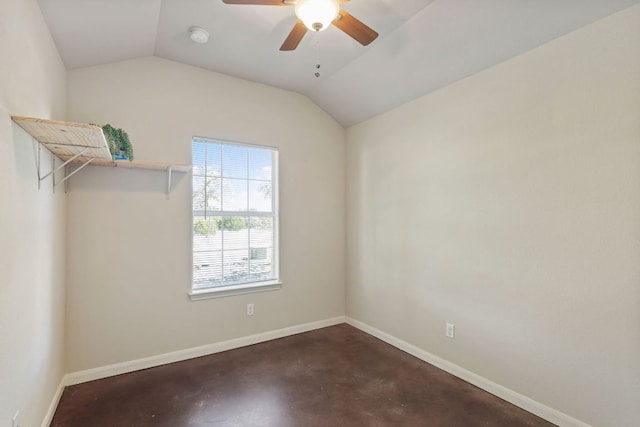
(450, 330)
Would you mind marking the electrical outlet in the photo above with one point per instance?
(249, 309)
(451, 330)
(16, 420)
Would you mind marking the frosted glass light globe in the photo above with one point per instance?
(317, 15)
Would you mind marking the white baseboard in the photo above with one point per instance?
(190, 353)
(54, 404)
(504, 393)
(530, 405)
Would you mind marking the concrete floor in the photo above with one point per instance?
(336, 376)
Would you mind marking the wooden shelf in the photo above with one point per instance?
(66, 140)
(135, 164)
(84, 145)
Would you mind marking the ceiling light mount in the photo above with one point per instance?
(198, 35)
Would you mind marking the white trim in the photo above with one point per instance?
(226, 291)
(190, 353)
(524, 402)
(54, 404)
(231, 142)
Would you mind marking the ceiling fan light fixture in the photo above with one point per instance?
(317, 15)
(198, 35)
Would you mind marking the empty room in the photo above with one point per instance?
(319, 213)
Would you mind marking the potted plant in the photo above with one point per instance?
(119, 144)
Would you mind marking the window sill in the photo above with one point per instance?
(226, 291)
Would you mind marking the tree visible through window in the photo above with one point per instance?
(234, 214)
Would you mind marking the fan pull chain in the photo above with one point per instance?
(317, 73)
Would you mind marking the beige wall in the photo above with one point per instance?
(508, 204)
(129, 247)
(32, 227)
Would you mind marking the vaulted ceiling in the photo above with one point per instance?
(423, 44)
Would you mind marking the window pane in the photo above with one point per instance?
(260, 164)
(213, 193)
(234, 161)
(262, 264)
(198, 157)
(235, 232)
(234, 194)
(261, 248)
(261, 232)
(214, 160)
(198, 193)
(207, 269)
(260, 196)
(207, 252)
(206, 234)
(236, 265)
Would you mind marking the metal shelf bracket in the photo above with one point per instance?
(54, 169)
(168, 182)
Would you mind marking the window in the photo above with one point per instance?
(235, 218)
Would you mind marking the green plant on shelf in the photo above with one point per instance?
(119, 144)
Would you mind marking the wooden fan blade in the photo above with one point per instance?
(355, 28)
(294, 37)
(258, 2)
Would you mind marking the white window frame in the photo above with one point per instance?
(252, 286)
